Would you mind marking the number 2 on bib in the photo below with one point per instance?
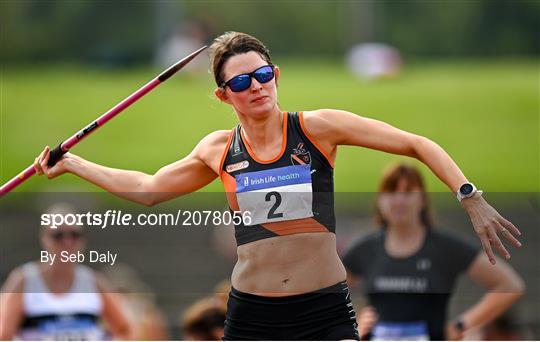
(272, 213)
(278, 194)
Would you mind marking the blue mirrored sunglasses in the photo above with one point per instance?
(241, 82)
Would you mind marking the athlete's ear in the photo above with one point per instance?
(276, 74)
(221, 94)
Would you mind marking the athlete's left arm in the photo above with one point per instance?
(332, 127)
(504, 287)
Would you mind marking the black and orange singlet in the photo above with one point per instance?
(290, 194)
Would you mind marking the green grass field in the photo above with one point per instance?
(485, 114)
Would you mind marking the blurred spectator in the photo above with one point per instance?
(374, 61)
(147, 320)
(221, 291)
(204, 320)
(60, 300)
(409, 269)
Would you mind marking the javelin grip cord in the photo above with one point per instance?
(56, 155)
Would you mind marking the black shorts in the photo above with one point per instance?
(325, 314)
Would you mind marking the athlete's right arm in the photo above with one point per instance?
(184, 176)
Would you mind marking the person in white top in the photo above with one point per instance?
(60, 300)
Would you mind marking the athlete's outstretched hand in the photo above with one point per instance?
(488, 223)
(40, 164)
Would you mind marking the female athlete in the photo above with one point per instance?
(288, 282)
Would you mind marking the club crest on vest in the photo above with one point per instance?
(300, 155)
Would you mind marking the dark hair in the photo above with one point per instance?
(230, 44)
(389, 183)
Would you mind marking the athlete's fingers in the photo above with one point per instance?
(39, 158)
(47, 157)
(42, 154)
(510, 226)
(494, 238)
(37, 166)
(38, 161)
(44, 160)
(487, 246)
(505, 231)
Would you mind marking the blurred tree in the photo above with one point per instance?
(75, 30)
(463, 28)
(122, 32)
(289, 27)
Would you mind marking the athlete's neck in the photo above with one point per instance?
(264, 132)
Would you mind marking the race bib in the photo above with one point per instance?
(63, 328)
(274, 195)
(401, 331)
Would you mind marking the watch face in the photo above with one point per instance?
(466, 189)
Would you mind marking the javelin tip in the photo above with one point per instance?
(179, 65)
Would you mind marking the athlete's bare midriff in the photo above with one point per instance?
(281, 265)
(288, 265)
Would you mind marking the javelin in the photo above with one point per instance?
(65, 146)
